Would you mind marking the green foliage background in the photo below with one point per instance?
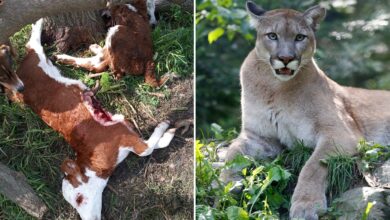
(352, 48)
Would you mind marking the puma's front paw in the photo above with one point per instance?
(307, 208)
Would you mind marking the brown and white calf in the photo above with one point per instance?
(101, 140)
(8, 77)
(128, 47)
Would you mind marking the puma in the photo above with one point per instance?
(286, 97)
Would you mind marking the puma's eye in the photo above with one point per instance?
(300, 37)
(272, 36)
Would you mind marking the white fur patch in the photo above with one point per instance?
(93, 61)
(293, 65)
(89, 206)
(159, 139)
(166, 139)
(96, 49)
(111, 32)
(118, 117)
(277, 64)
(155, 137)
(254, 22)
(129, 6)
(123, 153)
(151, 7)
(45, 64)
(309, 20)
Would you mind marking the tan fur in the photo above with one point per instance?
(309, 107)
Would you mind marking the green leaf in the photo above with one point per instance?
(215, 34)
(225, 3)
(239, 162)
(257, 171)
(205, 212)
(105, 82)
(368, 209)
(217, 130)
(237, 213)
(198, 152)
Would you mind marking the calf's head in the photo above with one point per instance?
(8, 77)
(83, 189)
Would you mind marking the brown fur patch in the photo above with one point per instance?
(62, 108)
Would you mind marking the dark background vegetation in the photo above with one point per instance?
(352, 48)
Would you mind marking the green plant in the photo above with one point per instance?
(372, 154)
(296, 157)
(267, 185)
(263, 183)
(342, 172)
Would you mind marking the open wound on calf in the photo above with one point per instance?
(98, 112)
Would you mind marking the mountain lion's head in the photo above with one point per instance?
(285, 38)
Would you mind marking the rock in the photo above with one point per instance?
(382, 175)
(353, 203)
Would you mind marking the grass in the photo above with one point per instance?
(268, 184)
(342, 172)
(28, 145)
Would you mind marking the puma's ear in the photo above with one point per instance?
(314, 16)
(255, 12)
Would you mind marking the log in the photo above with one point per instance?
(14, 186)
(14, 14)
(163, 5)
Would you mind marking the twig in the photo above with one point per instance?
(96, 88)
(112, 189)
(159, 95)
(93, 75)
(135, 125)
(14, 186)
(148, 112)
(180, 109)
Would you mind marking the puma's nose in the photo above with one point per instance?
(286, 59)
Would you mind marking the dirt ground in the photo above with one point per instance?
(159, 186)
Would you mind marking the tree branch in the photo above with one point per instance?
(14, 14)
(13, 185)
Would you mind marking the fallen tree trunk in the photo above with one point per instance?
(14, 186)
(14, 16)
(163, 5)
(71, 31)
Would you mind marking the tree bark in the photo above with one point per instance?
(13, 185)
(70, 31)
(14, 16)
(163, 5)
